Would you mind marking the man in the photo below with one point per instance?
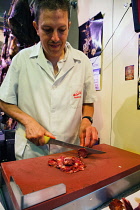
(49, 87)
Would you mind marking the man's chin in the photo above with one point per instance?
(53, 54)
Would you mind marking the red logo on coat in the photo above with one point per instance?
(77, 94)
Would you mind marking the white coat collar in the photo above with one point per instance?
(36, 51)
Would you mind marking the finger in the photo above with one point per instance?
(88, 137)
(82, 140)
(41, 142)
(48, 134)
(93, 142)
(35, 141)
(94, 139)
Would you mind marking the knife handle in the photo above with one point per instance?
(47, 138)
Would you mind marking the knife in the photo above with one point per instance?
(49, 140)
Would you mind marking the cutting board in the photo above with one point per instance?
(101, 169)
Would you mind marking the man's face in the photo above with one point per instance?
(52, 28)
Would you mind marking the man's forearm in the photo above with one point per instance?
(88, 110)
(14, 112)
(34, 132)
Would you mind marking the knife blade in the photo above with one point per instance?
(73, 146)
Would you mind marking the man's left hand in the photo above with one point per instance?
(88, 135)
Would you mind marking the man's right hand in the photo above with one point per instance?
(35, 133)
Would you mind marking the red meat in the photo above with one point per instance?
(82, 152)
(67, 164)
(116, 204)
(127, 204)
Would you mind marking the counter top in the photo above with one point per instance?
(101, 169)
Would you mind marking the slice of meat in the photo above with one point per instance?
(69, 161)
(116, 204)
(127, 204)
(82, 153)
(52, 162)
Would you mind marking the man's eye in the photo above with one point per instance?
(48, 31)
(62, 30)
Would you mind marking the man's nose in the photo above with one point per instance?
(55, 36)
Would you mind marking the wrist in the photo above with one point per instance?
(88, 118)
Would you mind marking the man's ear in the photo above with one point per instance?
(35, 26)
(69, 24)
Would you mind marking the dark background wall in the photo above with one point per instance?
(4, 6)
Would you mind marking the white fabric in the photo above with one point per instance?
(1, 207)
(56, 103)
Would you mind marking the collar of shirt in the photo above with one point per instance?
(60, 63)
(36, 51)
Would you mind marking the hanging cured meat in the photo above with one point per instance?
(20, 22)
